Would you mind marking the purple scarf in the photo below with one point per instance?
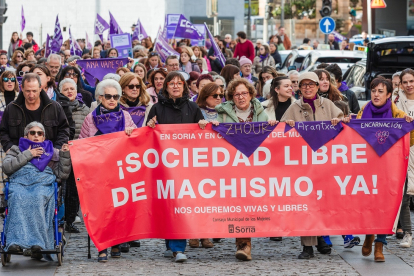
(41, 161)
(108, 121)
(79, 98)
(310, 102)
(343, 87)
(137, 114)
(263, 57)
(373, 112)
(249, 78)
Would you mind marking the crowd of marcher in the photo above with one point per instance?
(55, 104)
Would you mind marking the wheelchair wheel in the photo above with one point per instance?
(60, 255)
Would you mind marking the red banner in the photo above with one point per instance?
(178, 181)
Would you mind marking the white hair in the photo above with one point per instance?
(54, 57)
(229, 35)
(64, 81)
(100, 88)
(112, 76)
(222, 79)
(293, 73)
(397, 74)
(32, 125)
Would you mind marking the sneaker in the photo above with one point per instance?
(351, 241)
(406, 241)
(77, 220)
(327, 240)
(71, 228)
(179, 257)
(168, 253)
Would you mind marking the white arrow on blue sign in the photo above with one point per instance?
(327, 25)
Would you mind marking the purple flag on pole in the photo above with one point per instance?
(75, 49)
(164, 49)
(100, 26)
(338, 36)
(98, 68)
(57, 37)
(48, 46)
(23, 20)
(109, 122)
(113, 25)
(88, 42)
(217, 50)
(139, 32)
(316, 133)
(41, 161)
(164, 31)
(186, 29)
(381, 134)
(137, 114)
(245, 137)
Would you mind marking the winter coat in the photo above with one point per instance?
(89, 129)
(258, 65)
(227, 114)
(79, 113)
(53, 119)
(215, 64)
(15, 160)
(270, 110)
(276, 56)
(153, 95)
(182, 111)
(286, 42)
(325, 110)
(352, 99)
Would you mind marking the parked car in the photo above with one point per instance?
(354, 78)
(357, 39)
(293, 61)
(344, 59)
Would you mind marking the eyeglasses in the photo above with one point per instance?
(19, 56)
(108, 97)
(33, 133)
(295, 81)
(13, 79)
(173, 65)
(217, 96)
(310, 85)
(22, 73)
(131, 86)
(221, 85)
(243, 94)
(178, 84)
(152, 54)
(53, 67)
(71, 75)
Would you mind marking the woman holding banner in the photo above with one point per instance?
(312, 107)
(97, 123)
(381, 106)
(174, 107)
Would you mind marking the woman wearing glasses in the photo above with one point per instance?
(312, 107)
(209, 97)
(24, 68)
(72, 72)
(17, 58)
(174, 107)
(294, 78)
(263, 59)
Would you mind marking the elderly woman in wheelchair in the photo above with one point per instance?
(33, 167)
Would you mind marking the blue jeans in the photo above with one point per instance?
(381, 238)
(176, 245)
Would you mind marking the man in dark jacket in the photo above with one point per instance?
(332, 43)
(214, 61)
(352, 99)
(33, 104)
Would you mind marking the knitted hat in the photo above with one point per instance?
(308, 76)
(244, 60)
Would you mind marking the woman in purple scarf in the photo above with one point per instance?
(263, 59)
(380, 106)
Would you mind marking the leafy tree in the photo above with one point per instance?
(297, 9)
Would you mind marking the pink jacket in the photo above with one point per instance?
(89, 129)
(153, 95)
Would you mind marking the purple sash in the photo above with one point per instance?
(246, 137)
(316, 133)
(109, 122)
(137, 113)
(381, 134)
(41, 161)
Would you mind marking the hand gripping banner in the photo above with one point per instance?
(179, 181)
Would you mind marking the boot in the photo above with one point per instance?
(367, 247)
(378, 256)
(307, 253)
(194, 243)
(206, 243)
(323, 247)
(244, 248)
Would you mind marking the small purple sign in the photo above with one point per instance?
(98, 68)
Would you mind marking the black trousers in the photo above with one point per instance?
(71, 199)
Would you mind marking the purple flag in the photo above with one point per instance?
(57, 37)
(23, 20)
(41, 161)
(316, 133)
(217, 50)
(113, 25)
(164, 49)
(139, 32)
(100, 26)
(245, 137)
(381, 134)
(98, 68)
(137, 113)
(338, 36)
(48, 46)
(109, 122)
(186, 29)
(88, 42)
(75, 49)
(164, 31)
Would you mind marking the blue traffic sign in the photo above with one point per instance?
(327, 25)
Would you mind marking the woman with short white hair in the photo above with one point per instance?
(294, 78)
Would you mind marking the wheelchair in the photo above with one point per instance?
(58, 235)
